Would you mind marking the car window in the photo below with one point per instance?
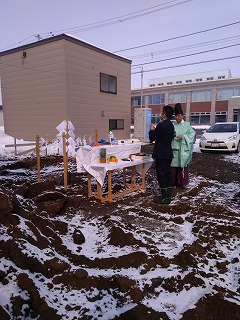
(223, 127)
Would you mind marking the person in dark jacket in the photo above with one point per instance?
(162, 153)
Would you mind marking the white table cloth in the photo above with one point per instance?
(88, 159)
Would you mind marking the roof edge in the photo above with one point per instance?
(63, 36)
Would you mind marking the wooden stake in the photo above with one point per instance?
(38, 156)
(96, 136)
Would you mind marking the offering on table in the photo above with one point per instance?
(112, 159)
(103, 155)
(139, 156)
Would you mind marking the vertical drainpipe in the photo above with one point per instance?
(141, 87)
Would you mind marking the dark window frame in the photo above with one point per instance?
(116, 124)
(108, 81)
(157, 98)
(137, 99)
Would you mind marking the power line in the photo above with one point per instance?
(186, 55)
(179, 37)
(191, 46)
(150, 70)
(108, 22)
(186, 64)
(17, 43)
(123, 18)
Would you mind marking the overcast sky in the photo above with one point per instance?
(135, 24)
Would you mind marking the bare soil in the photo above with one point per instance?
(206, 203)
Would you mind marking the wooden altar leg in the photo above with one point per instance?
(143, 176)
(124, 176)
(110, 185)
(99, 191)
(133, 176)
(89, 185)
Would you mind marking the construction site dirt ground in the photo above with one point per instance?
(67, 256)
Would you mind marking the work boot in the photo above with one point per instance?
(166, 201)
(157, 199)
(166, 195)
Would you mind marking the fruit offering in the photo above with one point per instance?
(112, 159)
(103, 155)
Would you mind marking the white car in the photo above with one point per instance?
(222, 136)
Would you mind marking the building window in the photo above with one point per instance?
(199, 79)
(236, 116)
(155, 118)
(169, 83)
(160, 84)
(210, 78)
(178, 82)
(108, 83)
(116, 124)
(136, 101)
(152, 85)
(201, 95)
(220, 116)
(176, 97)
(221, 77)
(227, 93)
(156, 98)
(187, 81)
(200, 118)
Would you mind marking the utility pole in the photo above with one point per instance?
(142, 87)
(38, 37)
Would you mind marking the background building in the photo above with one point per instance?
(192, 77)
(206, 97)
(60, 78)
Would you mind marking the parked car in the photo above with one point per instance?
(222, 136)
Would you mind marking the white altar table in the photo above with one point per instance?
(88, 160)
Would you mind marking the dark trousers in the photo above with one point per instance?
(163, 171)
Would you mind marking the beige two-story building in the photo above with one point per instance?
(64, 78)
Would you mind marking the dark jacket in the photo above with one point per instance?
(162, 135)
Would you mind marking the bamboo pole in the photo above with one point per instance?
(67, 136)
(20, 145)
(38, 157)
